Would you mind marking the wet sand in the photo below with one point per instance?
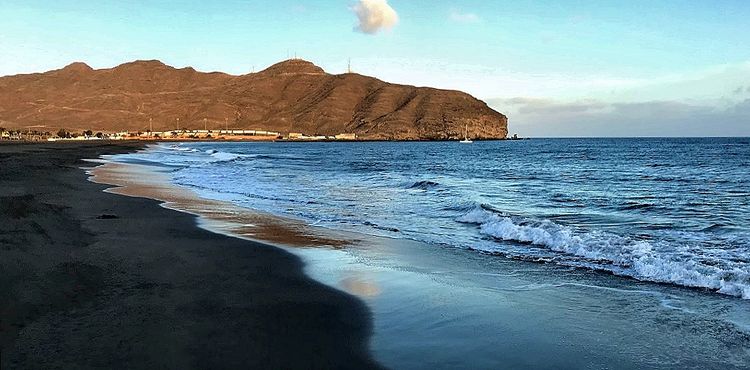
(95, 279)
(147, 182)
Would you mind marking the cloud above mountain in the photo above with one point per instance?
(374, 16)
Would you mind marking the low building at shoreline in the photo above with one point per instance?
(346, 137)
(183, 134)
(297, 136)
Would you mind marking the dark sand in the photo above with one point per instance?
(93, 279)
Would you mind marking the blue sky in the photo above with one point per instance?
(557, 68)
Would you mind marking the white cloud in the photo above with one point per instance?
(374, 16)
(462, 17)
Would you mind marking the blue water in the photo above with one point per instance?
(663, 210)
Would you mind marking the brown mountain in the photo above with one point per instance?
(291, 96)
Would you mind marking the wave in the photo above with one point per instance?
(424, 185)
(715, 227)
(644, 260)
(632, 206)
(219, 156)
(183, 149)
(213, 154)
(384, 228)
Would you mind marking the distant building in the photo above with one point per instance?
(346, 137)
(267, 133)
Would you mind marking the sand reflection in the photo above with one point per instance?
(148, 182)
(360, 285)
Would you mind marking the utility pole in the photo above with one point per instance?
(349, 68)
(150, 124)
(205, 124)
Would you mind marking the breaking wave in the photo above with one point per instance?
(219, 156)
(726, 271)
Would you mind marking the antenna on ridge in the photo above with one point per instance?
(349, 67)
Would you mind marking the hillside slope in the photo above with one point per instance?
(291, 96)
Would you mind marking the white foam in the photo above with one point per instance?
(214, 155)
(180, 148)
(224, 156)
(651, 261)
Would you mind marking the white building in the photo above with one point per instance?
(346, 137)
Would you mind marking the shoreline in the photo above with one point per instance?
(241, 140)
(139, 181)
(434, 306)
(426, 307)
(229, 219)
(98, 279)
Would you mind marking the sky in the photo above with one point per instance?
(555, 68)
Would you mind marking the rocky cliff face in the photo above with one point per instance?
(291, 96)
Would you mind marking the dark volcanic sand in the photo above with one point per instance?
(92, 279)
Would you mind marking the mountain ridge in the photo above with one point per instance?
(290, 96)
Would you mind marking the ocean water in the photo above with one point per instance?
(673, 211)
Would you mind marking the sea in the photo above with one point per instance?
(591, 252)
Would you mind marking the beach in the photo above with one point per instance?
(188, 255)
(375, 184)
(94, 279)
(454, 251)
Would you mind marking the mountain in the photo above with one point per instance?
(290, 96)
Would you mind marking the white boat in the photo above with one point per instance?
(466, 139)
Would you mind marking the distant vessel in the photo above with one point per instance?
(466, 139)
